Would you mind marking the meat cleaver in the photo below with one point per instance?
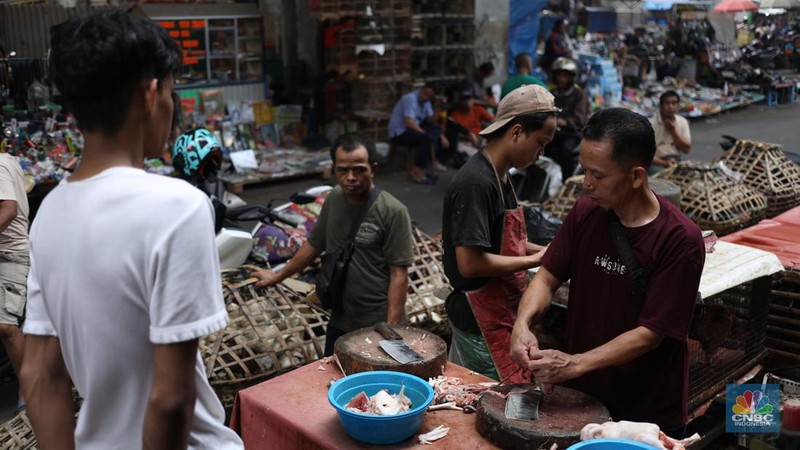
(522, 403)
(395, 346)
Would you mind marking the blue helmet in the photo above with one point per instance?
(193, 151)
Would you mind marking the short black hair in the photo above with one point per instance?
(529, 123)
(351, 141)
(436, 87)
(487, 67)
(97, 60)
(668, 94)
(633, 141)
(522, 60)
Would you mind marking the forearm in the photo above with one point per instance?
(622, 349)
(532, 249)
(412, 125)
(302, 259)
(489, 265)
(46, 387)
(681, 143)
(51, 411)
(170, 407)
(536, 298)
(398, 289)
(167, 423)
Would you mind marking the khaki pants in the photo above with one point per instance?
(14, 269)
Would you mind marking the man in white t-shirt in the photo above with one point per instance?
(672, 132)
(14, 262)
(124, 271)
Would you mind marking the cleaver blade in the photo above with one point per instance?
(395, 346)
(523, 404)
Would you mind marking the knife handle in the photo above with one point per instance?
(388, 332)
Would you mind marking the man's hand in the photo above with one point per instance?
(474, 139)
(523, 344)
(669, 123)
(445, 143)
(553, 366)
(266, 277)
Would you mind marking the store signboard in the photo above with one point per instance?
(191, 37)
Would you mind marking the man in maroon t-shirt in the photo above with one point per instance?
(625, 347)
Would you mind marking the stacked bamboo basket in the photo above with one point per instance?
(765, 168)
(714, 199)
(270, 331)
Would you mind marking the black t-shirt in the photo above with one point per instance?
(472, 216)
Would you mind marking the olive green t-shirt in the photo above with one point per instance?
(383, 240)
(517, 81)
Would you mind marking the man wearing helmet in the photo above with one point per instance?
(118, 307)
(376, 283)
(575, 108)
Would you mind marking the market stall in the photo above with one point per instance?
(292, 411)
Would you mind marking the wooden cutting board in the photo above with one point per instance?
(562, 414)
(358, 351)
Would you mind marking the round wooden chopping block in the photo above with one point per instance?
(358, 351)
(562, 415)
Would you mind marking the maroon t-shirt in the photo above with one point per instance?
(603, 305)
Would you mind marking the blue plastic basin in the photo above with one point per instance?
(610, 444)
(381, 429)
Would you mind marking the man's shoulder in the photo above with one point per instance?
(681, 120)
(389, 201)
(474, 172)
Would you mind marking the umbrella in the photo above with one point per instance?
(735, 6)
(785, 4)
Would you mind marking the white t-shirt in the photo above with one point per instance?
(14, 239)
(665, 145)
(120, 262)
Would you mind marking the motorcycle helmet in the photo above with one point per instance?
(196, 153)
(566, 65)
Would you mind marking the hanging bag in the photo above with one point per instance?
(333, 270)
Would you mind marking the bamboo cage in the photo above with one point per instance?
(560, 204)
(766, 168)
(713, 199)
(428, 286)
(270, 331)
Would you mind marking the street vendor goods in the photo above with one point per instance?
(646, 433)
(381, 404)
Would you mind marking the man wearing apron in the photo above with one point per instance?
(486, 250)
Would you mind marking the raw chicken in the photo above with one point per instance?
(646, 433)
(381, 404)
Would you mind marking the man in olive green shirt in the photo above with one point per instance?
(523, 77)
(377, 274)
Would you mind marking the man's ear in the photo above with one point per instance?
(638, 176)
(150, 91)
(374, 167)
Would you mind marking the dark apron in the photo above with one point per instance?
(495, 304)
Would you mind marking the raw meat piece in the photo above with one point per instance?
(646, 433)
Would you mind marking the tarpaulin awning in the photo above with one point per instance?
(779, 235)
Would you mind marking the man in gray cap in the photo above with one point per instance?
(486, 250)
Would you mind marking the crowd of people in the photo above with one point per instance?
(118, 308)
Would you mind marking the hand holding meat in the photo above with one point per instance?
(553, 366)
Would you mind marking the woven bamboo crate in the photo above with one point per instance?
(766, 168)
(428, 285)
(713, 199)
(560, 204)
(17, 434)
(270, 331)
(783, 323)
